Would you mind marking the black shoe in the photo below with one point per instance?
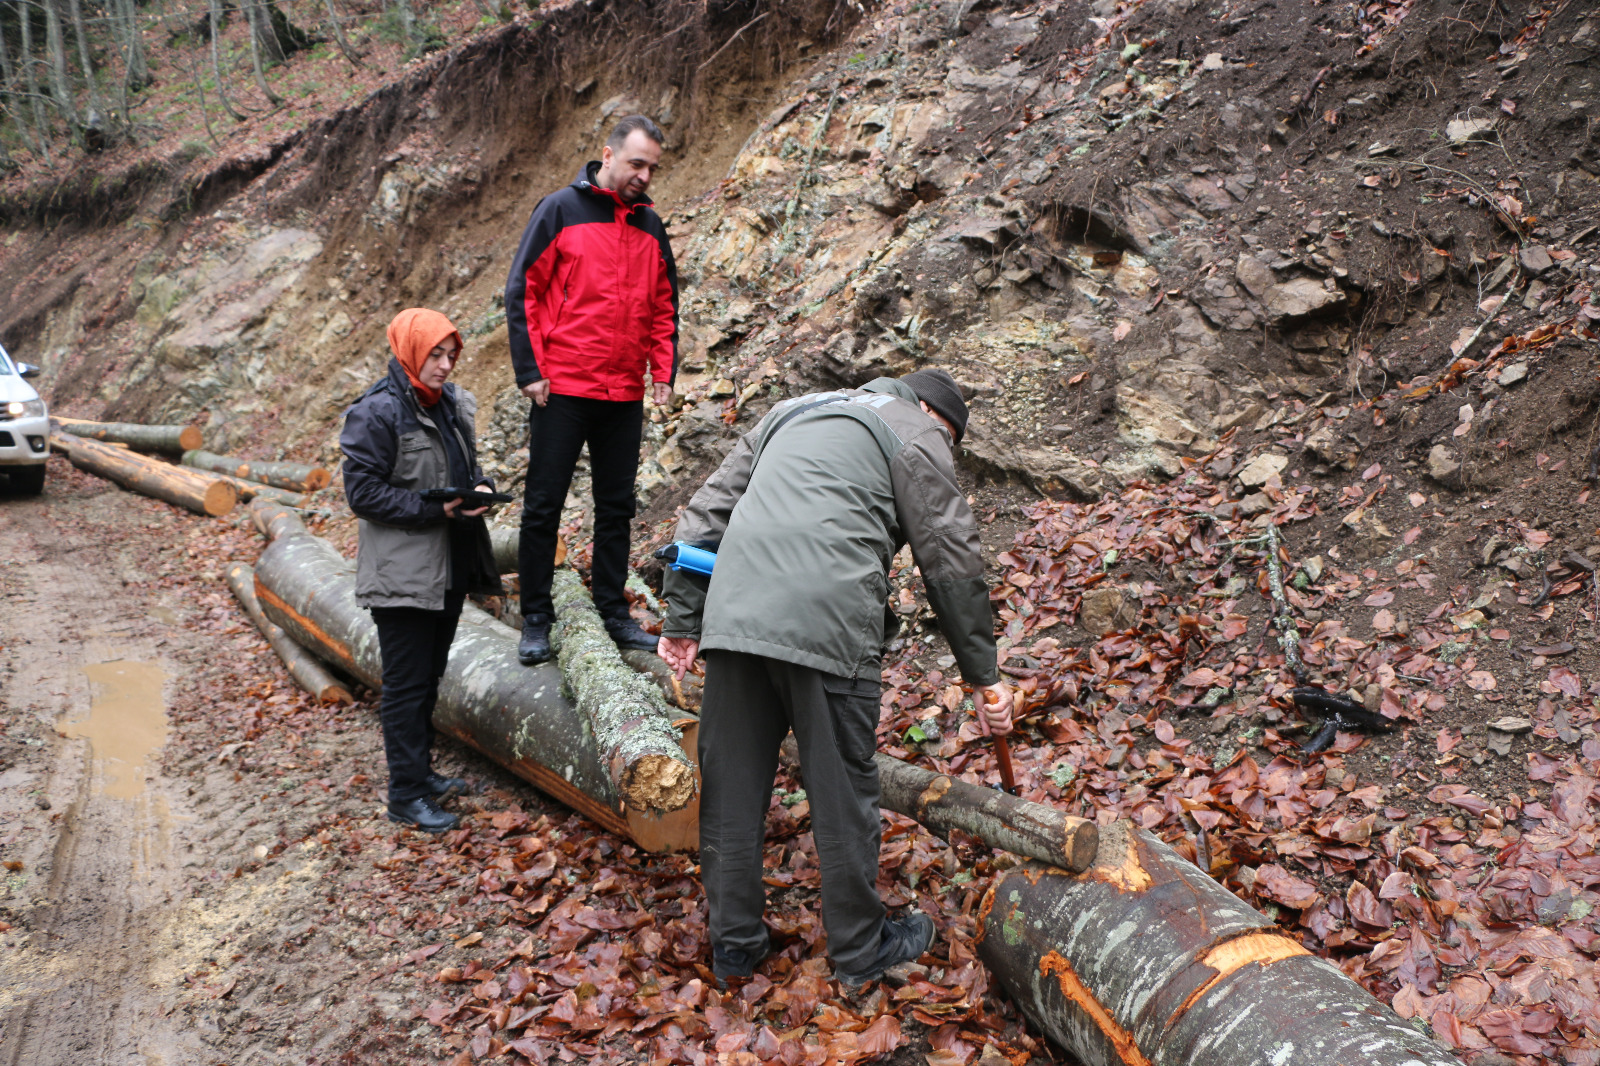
(535, 644)
(729, 964)
(628, 634)
(904, 940)
(423, 813)
(442, 786)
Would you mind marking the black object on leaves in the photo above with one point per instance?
(1341, 714)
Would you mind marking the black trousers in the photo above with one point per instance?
(414, 645)
(751, 703)
(557, 433)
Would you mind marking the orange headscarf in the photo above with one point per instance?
(414, 333)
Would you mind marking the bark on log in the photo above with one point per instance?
(1142, 960)
(295, 477)
(1031, 830)
(506, 541)
(1022, 827)
(273, 520)
(515, 715)
(303, 667)
(150, 477)
(632, 724)
(175, 439)
(684, 695)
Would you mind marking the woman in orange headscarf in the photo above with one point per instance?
(418, 558)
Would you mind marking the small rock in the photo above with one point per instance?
(992, 1057)
(1261, 469)
(723, 387)
(1254, 504)
(1510, 724)
(1535, 259)
(1514, 373)
(1212, 61)
(1106, 610)
(1462, 130)
(1442, 465)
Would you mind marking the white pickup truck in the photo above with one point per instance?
(24, 427)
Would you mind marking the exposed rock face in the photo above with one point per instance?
(1300, 298)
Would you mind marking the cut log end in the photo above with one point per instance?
(658, 784)
(190, 438)
(318, 478)
(220, 498)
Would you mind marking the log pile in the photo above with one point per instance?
(294, 477)
(171, 439)
(201, 493)
(630, 721)
(1142, 960)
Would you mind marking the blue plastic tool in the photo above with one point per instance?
(681, 556)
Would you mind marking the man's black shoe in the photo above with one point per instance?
(628, 634)
(441, 785)
(535, 644)
(730, 964)
(904, 940)
(423, 813)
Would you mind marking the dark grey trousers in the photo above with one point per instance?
(751, 703)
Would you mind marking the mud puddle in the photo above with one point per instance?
(127, 724)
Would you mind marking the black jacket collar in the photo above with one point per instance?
(588, 179)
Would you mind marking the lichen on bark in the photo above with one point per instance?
(632, 723)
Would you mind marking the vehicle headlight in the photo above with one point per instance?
(25, 408)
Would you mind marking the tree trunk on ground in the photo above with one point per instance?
(253, 15)
(1142, 960)
(150, 477)
(1031, 830)
(303, 667)
(254, 490)
(685, 694)
(632, 724)
(349, 53)
(173, 439)
(273, 520)
(514, 714)
(296, 477)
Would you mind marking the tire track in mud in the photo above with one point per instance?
(84, 653)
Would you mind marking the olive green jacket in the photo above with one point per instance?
(805, 523)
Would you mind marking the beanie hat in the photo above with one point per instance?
(939, 390)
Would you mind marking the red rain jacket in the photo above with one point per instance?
(592, 297)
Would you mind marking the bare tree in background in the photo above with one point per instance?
(31, 80)
(17, 98)
(60, 81)
(338, 35)
(136, 66)
(214, 8)
(95, 132)
(254, 15)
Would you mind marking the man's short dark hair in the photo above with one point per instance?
(631, 124)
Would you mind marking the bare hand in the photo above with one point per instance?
(538, 392)
(994, 709)
(661, 394)
(678, 653)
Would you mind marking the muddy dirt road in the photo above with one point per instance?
(175, 818)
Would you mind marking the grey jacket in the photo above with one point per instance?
(805, 523)
(393, 449)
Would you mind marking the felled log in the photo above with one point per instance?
(303, 667)
(506, 541)
(685, 695)
(942, 803)
(1142, 960)
(203, 494)
(174, 439)
(295, 477)
(515, 715)
(273, 520)
(631, 722)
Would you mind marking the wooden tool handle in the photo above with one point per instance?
(1002, 752)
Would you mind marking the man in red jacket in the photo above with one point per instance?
(591, 303)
